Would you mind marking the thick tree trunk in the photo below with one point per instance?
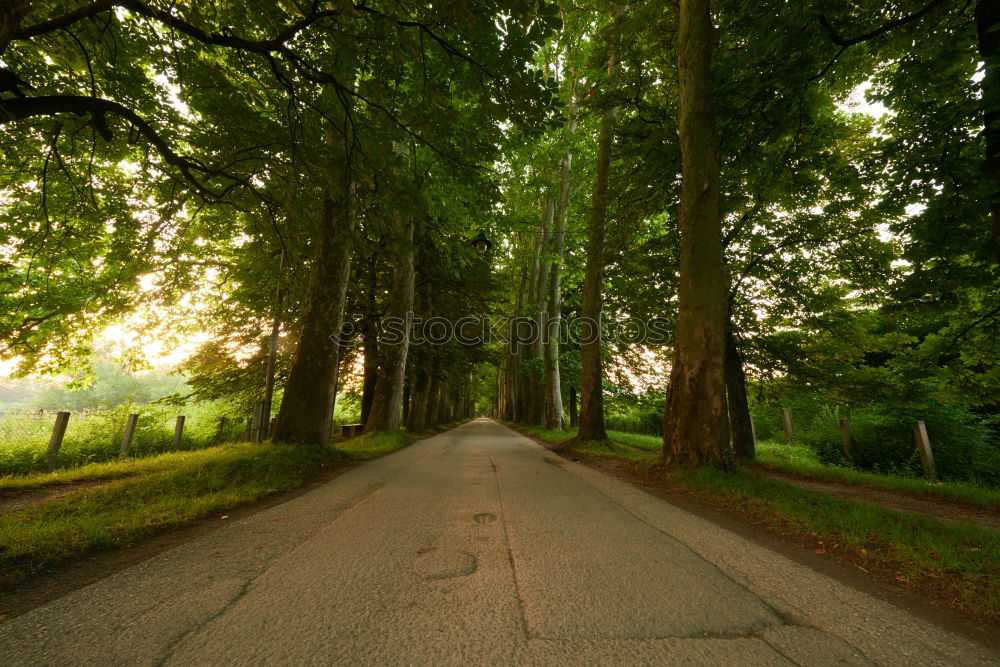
(433, 399)
(306, 413)
(387, 403)
(592, 372)
(744, 448)
(988, 27)
(695, 426)
(416, 418)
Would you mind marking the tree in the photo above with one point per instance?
(592, 375)
(695, 428)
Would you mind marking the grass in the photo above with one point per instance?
(795, 458)
(799, 459)
(188, 487)
(370, 445)
(957, 563)
(149, 495)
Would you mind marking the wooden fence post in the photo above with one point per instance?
(845, 437)
(786, 421)
(178, 431)
(924, 447)
(55, 442)
(129, 434)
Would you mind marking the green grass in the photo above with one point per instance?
(110, 470)
(621, 445)
(188, 487)
(961, 562)
(370, 445)
(799, 459)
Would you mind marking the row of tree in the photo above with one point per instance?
(733, 183)
(320, 167)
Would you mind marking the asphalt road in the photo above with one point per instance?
(475, 546)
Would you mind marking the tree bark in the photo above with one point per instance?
(574, 419)
(988, 29)
(416, 418)
(695, 426)
(744, 447)
(306, 414)
(370, 338)
(540, 300)
(554, 418)
(387, 403)
(592, 372)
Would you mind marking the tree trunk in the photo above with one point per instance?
(370, 336)
(988, 28)
(387, 403)
(592, 373)
(416, 420)
(539, 298)
(12, 13)
(306, 413)
(695, 426)
(433, 398)
(574, 419)
(554, 418)
(744, 448)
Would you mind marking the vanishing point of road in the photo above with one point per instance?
(475, 546)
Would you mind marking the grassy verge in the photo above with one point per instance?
(370, 445)
(126, 510)
(147, 496)
(956, 564)
(798, 459)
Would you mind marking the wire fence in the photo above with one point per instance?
(39, 440)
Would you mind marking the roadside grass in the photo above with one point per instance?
(799, 459)
(371, 445)
(126, 510)
(111, 470)
(149, 495)
(796, 459)
(956, 563)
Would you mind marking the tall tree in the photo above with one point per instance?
(387, 404)
(592, 372)
(695, 428)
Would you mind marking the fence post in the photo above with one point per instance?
(924, 447)
(786, 421)
(178, 431)
(55, 442)
(129, 434)
(845, 437)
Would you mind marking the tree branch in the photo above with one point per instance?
(47, 105)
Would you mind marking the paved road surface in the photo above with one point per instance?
(475, 546)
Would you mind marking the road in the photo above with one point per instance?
(476, 546)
